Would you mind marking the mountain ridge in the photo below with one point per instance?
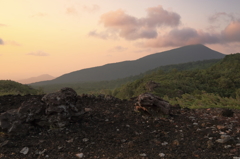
(42, 77)
(124, 69)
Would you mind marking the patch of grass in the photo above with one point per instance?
(204, 100)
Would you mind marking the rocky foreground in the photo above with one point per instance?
(63, 125)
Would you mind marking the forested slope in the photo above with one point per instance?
(11, 87)
(219, 81)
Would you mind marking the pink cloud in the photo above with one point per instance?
(232, 32)
(184, 36)
(188, 36)
(71, 11)
(3, 25)
(120, 24)
(157, 16)
(133, 28)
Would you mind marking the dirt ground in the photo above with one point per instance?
(113, 130)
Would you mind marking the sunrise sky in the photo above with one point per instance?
(60, 36)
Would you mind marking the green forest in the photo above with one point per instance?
(215, 86)
(8, 87)
(200, 84)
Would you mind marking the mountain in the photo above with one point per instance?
(43, 77)
(129, 68)
(222, 78)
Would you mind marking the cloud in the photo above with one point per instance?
(184, 36)
(3, 25)
(232, 32)
(40, 14)
(102, 35)
(133, 28)
(1, 42)
(215, 17)
(38, 53)
(14, 43)
(71, 11)
(118, 49)
(161, 28)
(157, 16)
(91, 9)
(188, 36)
(9, 43)
(108, 34)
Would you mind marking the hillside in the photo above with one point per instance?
(12, 87)
(43, 77)
(130, 68)
(221, 82)
(104, 87)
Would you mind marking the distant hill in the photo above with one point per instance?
(44, 77)
(129, 68)
(11, 87)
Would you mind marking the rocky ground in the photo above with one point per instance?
(112, 129)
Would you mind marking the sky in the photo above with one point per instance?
(60, 36)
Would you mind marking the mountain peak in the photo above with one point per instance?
(124, 69)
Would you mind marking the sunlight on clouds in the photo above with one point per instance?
(232, 32)
(132, 28)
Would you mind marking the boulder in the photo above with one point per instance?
(65, 96)
(54, 110)
(152, 104)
